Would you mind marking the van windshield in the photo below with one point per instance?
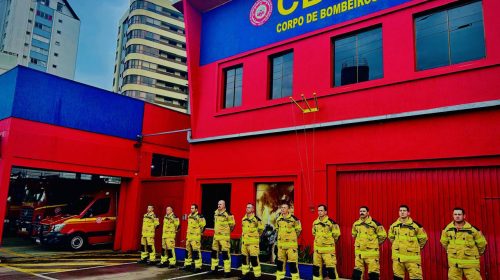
(76, 207)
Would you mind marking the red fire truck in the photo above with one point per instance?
(88, 221)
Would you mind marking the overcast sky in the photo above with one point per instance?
(98, 33)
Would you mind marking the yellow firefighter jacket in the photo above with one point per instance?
(289, 229)
(149, 224)
(252, 228)
(224, 224)
(369, 234)
(464, 246)
(326, 232)
(407, 240)
(170, 226)
(196, 225)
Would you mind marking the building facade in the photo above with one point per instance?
(40, 34)
(151, 54)
(402, 108)
(80, 129)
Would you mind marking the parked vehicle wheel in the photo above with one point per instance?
(77, 241)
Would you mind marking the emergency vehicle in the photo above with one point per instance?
(90, 220)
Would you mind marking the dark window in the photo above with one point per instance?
(358, 57)
(58, 31)
(168, 166)
(99, 207)
(60, 7)
(210, 196)
(233, 82)
(54, 66)
(450, 36)
(281, 75)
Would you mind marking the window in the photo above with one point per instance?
(56, 54)
(210, 196)
(58, 31)
(60, 21)
(450, 36)
(60, 6)
(281, 75)
(54, 66)
(358, 57)
(233, 81)
(58, 43)
(168, 166)
(100, 207)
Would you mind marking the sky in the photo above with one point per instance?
(97, 45)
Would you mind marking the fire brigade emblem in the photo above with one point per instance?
(261, 12)
(98, 220)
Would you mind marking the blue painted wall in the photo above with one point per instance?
(41, 97)
(224, 36)
(7, 90)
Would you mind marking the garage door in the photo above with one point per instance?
(431, 195)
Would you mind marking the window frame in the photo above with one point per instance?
(224, 83)
(352, 34)
(271, 74)
(446, 8)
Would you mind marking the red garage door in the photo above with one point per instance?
(431, 195)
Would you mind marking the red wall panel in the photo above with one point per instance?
(158, 120)
(431, 195)
(402, 88)
(161, 193)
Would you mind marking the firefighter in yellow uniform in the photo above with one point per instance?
(464, 244)
(289, 229)
(149, 224)
(170, 229)
(252, 228)
(369, 235)
(196, 225)
(326, 232)
(408, 238)
(224, 224)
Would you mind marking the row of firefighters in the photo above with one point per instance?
(463, 242)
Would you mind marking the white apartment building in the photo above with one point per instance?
(40, 34)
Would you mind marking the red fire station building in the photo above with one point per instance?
(397, 102)
(49, 124)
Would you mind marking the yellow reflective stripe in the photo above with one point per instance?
(458, 242)
(460, 261)
(322, 248)
(421, 236)
(403, 258)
